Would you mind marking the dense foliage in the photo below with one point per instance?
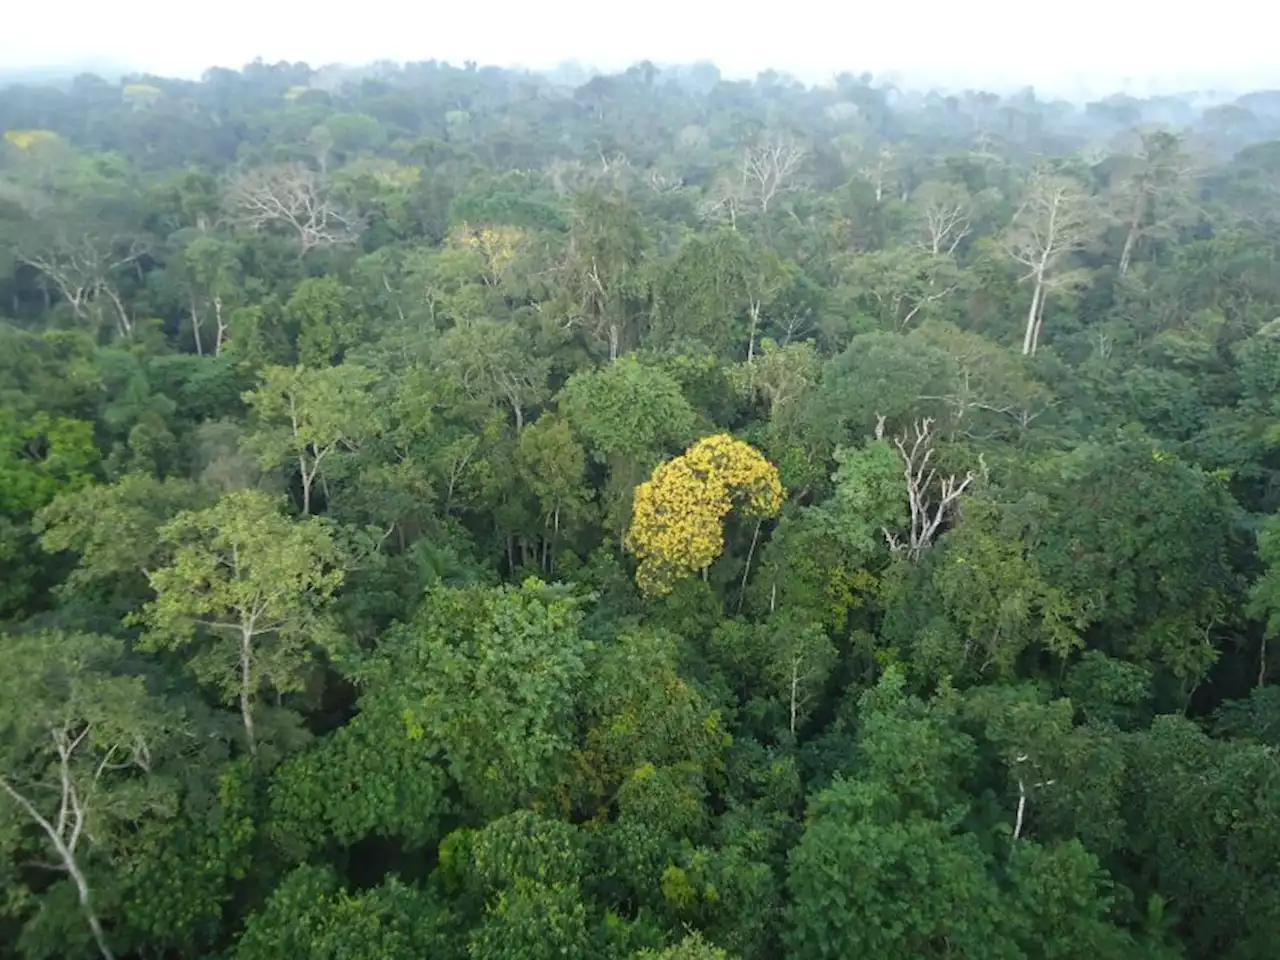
(457, 513)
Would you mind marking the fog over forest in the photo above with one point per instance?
(1084, 51)
(670, 509)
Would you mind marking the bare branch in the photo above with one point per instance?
(930, 498)
(293, 197)
(1057, 218)
(769, 168)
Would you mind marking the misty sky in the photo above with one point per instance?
(1079, 45)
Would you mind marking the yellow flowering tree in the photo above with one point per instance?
(27, 139)
(496, 244)
(677, 523)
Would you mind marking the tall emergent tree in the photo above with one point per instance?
(1057, 218)
(247, 589)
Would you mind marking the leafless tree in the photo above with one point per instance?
(930, 496)
(567, 176)
(794, 325)
(292, 197)
(769, 167)
(881, 172)
(1057, 218)
(660, 182)
(726, 200)
(944, 214)
(613, 172)
(83, 268)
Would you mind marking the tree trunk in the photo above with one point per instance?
(68, 857)
(195, 327)
(555, 539)
(614, 341)
(1131, 238)
(795, 687)
(246, 688)
(1028, 338)
(82, 892)
(746, 572)
(1035, 338)
(1022, 809)
(306, 485)
(221, 327)
(123, 324)
(1127, 253)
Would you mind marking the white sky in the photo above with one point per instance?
(1063, 46)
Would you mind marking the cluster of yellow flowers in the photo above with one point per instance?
(497, 244)
(26, 139)
(677, 523)
(142, 93)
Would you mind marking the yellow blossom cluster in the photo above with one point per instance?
(677, 523)
(497, 244)
(142, 93)
(26, 139)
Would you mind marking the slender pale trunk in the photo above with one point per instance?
(1131, 238)
(1022, 809)
(755, 324)
(1127, 253)
(555, 539)
(82, 893)
(1021, 816)
(615, 338)
(307, 477)
(246, 686)
(746, 572)
(221, 327)
(1033, 318)
(1035, 339)
(123, 323)
(69, 863)
(195, 327)
(795, 691)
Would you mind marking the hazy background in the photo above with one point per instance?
(1076, 49)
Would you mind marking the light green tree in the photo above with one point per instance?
(114, 527)
(248, 589)
(494, 364)
(553, 464)
(307, 416)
